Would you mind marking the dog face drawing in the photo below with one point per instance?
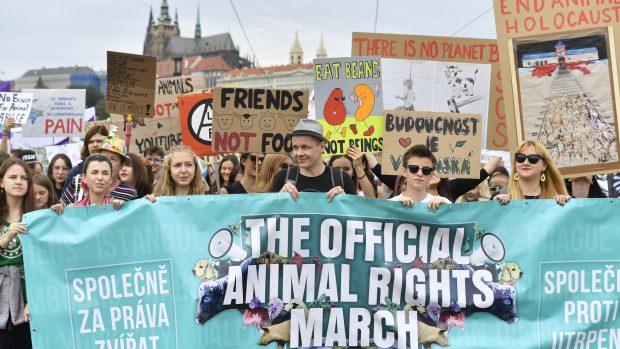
(290, 120)
(204, 270)
(225, 120)
(510, 274)
(247, 120)
(267, 121)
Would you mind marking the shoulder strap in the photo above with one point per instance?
(292, 174)
(337, 181)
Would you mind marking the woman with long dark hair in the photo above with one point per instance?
(135, 174)
(16, 198)
(58, 171)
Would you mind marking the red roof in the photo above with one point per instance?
(268, 70)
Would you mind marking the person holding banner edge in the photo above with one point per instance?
(96, 180)
(311, 174)
(16, 198)
(418, 166)
(92, 141)
(536, 176)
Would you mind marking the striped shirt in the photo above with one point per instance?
(122, 192)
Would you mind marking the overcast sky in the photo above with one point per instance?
(52, 33)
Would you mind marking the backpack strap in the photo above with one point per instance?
(292, 174)
(337, 181)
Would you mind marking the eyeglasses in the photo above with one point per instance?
(425, 170)
(494, 190)
(157, 160)
(284, 166)
(339, 98)
(254, 158)
(532, 158)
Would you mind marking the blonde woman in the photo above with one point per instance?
(180, 175)
(536, 176)
(272, 164)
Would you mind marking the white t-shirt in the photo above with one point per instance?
(428, 198)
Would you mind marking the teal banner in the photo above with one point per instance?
(249, 271)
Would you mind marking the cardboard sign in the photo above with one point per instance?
(169, 89)
(105, 123)
(163, 132)
(197, 122)
(256, 120)
(15, 105)
(561, 78)
(349, 103)
(465, 54)
(454, 139)
(131, 84)
(55, 113)
(72, 150)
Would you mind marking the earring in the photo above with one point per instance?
(543, 177)
(516, 177)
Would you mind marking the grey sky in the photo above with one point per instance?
(52, 33)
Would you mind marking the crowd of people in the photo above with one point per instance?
(109, 175)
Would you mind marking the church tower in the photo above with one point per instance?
(197, 33)
(158, 34)
(297, 53)
(321, 52)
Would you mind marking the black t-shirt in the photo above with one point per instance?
(235, 188)
(321, 183)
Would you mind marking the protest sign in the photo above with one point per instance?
(256, 119)
(349, 103)
(104, 123)
(145, 133)
(329, 274)
(55, 113)
(454, 139)
(561, 77)
(197, 122)
(72, 150)
(15, 105)
(130, 86)
(458, 81)
(169, 89)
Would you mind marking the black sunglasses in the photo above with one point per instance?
(339, 98)
(532, 158)
(284, 166)
(253, 158)
(425, 170)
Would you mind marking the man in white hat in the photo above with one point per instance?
(311, 174)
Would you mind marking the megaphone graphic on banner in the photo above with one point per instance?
(491, 248)
(222, 245)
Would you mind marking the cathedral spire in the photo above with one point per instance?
(151, 21)
(321, 52)
(176, 17)
(164, 17)
(297, 53)
(197, 33)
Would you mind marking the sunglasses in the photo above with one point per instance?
(425, 170)
(254, 158)
(339, 98)
(532, 158)
(284, 166)
(495, 189)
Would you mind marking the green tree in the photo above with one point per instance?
(40, 83)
